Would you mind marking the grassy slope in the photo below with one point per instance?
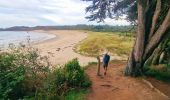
(97, 42)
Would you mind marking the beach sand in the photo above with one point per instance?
(60, 49)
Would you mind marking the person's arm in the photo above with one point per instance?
(109, 58)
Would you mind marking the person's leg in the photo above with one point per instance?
(106, 68)
(104, 72)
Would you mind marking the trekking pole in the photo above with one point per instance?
(98, 71)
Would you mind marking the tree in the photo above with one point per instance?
(153, 25)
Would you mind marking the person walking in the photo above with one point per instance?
(106, 59)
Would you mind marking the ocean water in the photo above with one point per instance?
(17, 37)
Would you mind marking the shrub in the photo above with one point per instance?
(160, 74)
(64, 79)
(22, 71)
(75, 75)
(24, 74)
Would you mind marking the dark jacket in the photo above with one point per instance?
(106, 59)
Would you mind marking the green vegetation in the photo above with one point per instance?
(159, 65)
(21, 72)
(97, 42)
(108, 28)
(159, 72)
(70, 77)
(76, 95)
(24, 74)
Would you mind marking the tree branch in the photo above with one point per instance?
(147, 6)
(155, 18)
(157, 37)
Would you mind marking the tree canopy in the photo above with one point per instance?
(101, 9)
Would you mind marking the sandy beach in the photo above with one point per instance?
(60, 49)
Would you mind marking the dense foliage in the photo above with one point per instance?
(24, 74)
(61, 80)
(22, 71)
(101, 9)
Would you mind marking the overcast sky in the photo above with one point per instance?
(46, 12)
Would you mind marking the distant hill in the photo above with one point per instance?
(106, 28)
(25, 28)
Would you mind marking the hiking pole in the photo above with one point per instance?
(98, 71)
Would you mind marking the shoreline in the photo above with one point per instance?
(47, 40)
(28, 38)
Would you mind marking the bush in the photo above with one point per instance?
(22, 71)
(64, 79)
(75, 75)
(162, 74)
(24, 74)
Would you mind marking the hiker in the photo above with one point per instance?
(106, 59)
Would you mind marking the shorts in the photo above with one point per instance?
(105, 65)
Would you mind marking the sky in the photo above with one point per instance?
(46, 12)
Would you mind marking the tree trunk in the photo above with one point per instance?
(145, 44)
(154, 59)
(134, 68)
(135, 61)
(155, 18)
(162, 57)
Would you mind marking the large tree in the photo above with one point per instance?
(153, 25)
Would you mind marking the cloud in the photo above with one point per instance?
(25, 20)
(45, 12)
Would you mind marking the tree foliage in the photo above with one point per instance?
(101, 9)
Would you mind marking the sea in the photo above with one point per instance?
(22, 37)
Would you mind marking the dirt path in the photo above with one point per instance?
(163, 87)
(114, 86)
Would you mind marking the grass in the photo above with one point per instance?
(97, 42)
(162, 74)
(76, 95)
